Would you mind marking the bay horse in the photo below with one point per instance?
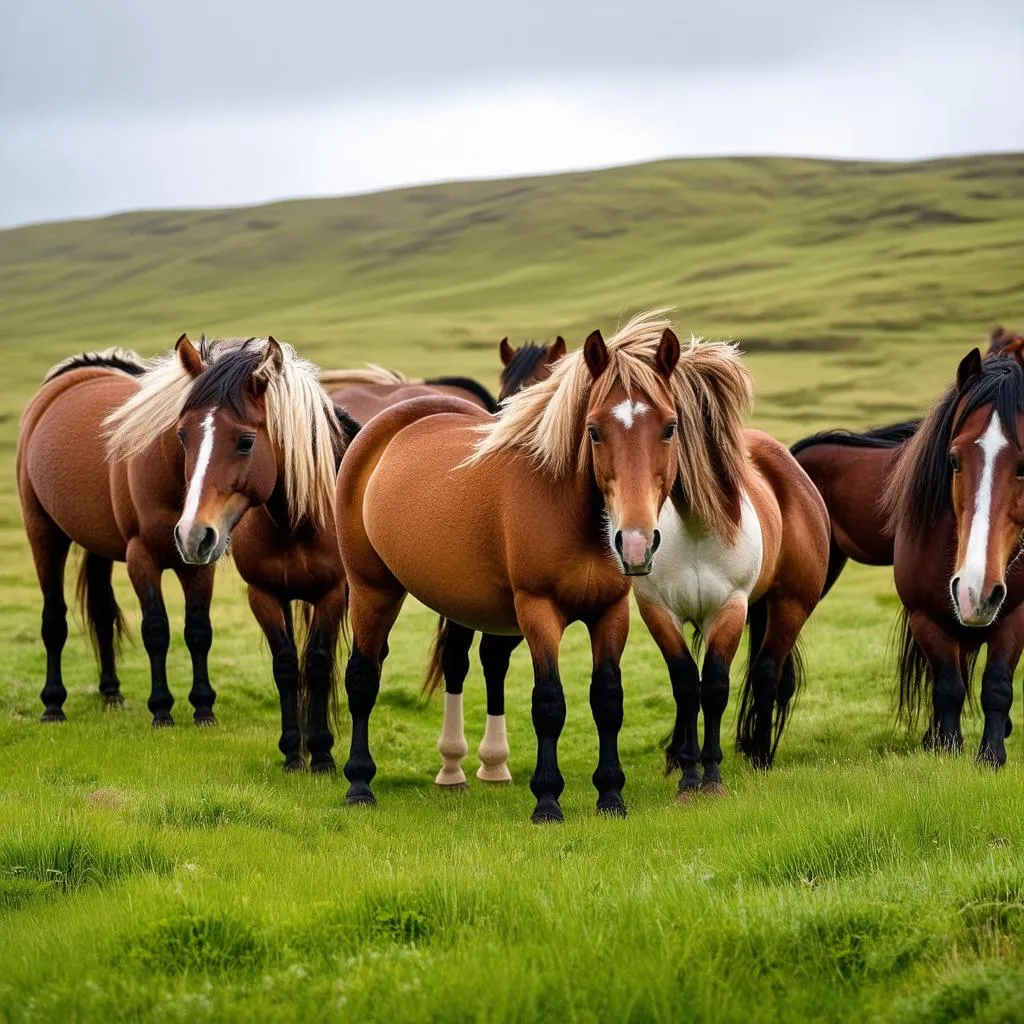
(516, 525)
(527, 364)
(260, 442)
(845, 466)
(955, 503)
(117, 510)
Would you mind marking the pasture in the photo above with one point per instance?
(179, 875)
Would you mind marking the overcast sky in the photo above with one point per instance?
(108, 105)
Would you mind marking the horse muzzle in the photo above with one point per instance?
(973, 604)
(636, 552)
(199, 545)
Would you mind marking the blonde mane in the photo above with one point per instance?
(712, 392)
(371, 374)
(301, 420)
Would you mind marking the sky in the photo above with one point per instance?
(108, 105)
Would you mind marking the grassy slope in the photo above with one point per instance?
(178, 874)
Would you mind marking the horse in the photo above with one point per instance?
(117, 509)
(260, 443)
(846, 465)
(528, 521)
(955, 504)
(369, 391)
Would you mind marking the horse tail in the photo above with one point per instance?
(303, 627)
(791, 683)
(757, 620)
(97, 603)
(435, 668)
(914, 673)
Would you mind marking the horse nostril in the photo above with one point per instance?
(618, 542)
(997, 595)
(178, 538)
(656, 543)
(954, 586)
(208, 543)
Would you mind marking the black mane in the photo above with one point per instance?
(223, 382)
(522, 365)
(349, 427)
(118, 360)
(999, 383)
(472, 386)
(891, 436)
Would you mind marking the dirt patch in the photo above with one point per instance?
(107, 798)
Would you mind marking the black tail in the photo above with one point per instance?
(435, 666)
(303, 623)
(97, 604)
(791, 683)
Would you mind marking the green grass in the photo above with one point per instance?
(179, 875)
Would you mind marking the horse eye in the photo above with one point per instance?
(670, 431)
(595, 434)
(245, 444)
(183, 438)
(954, 462)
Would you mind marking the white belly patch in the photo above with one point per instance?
(694, 574)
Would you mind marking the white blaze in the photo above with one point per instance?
(972, 574)
(625, 411)
(195, 485)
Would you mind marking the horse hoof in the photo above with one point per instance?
(451, 778)
(112, 701)
(713, 788)
(611, 805)
(360, 795)
(293, 763)
(453, 787)
(685, 797)
(53, 714)
(163, 720)
(322, 764)
(204, 717)
(547, 810)
(988, 758)
(497, 774)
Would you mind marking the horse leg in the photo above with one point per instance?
(451, 744)
(948, 688)
(542, 624)
(197, 584)
(156, 631)
(319, 664)
(274, 617)
(683, 749)
(495, 653)
(723, 638)
(50, 547)
(607, 640)
(837, 560)
(1004, 650)
(103, 615)
(372, 612)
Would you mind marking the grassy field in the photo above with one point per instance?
(179, 875)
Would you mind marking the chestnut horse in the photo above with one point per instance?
(118, 511)
(846, 466)
(955, 503)
(527, 364)
(502, 525)
(260, 443)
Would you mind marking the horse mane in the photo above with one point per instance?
(370, 374)
(474, 387)
(123, 359)
(918, 492)
(891, 436)
(710, 387)
(301, 418)
(524, 361)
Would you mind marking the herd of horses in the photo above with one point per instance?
(619, 468)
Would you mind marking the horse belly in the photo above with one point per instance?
(70, 475)
(694, 574)
(439, 537)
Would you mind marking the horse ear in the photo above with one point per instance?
(506, 351)
(997, 339)
(667, 356)
(188, 356)
(970, 366)
(557, 350)
(270, 366)
(595, 354)
(275, 355)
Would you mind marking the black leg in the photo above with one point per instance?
(763, 687)
(156, 638)
(495, 654)
(55, 635)
(948, 697)
(104, 617)
(548, 713)
(606, 706)
(996, 699)
(714, 696)
(286, 678)
(451, 744)
(199, 639)
(683, 750)
(362, 684)
(318, 670)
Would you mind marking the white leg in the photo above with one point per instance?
(451, 744)
(494, 752)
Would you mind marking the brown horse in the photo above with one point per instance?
(260, 443)
(511, 530)
(527, 364)
(956, 506)
(845, 466)
(118, 510)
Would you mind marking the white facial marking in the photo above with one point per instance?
(972, 574)
(625, 411)
(195, 485)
